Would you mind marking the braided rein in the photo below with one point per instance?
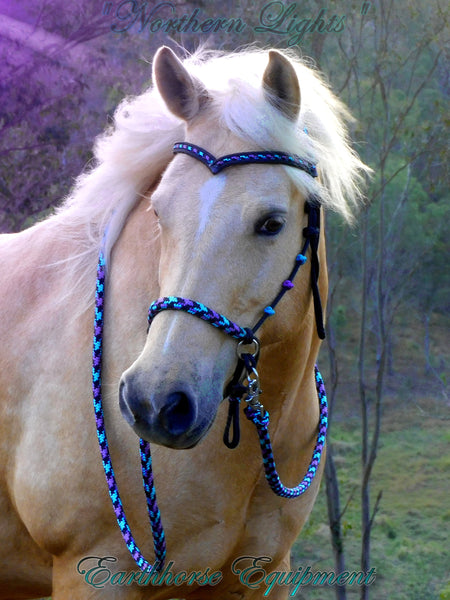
(159, 543)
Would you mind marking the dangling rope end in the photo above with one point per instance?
(233, 423)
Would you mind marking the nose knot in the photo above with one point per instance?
(178, 414)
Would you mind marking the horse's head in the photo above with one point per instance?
(228, 240)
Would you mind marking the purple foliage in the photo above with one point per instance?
(59, 79)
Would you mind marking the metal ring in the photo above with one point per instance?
(254, 351)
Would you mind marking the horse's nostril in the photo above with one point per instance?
(178, 414)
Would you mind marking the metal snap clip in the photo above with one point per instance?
(253, 390)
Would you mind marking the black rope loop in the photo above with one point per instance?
(312, 233)
(233, 423)
(235, 391)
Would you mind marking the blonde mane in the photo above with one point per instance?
(131, 155)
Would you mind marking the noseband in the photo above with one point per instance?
(247, 352)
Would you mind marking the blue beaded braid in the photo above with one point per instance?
(215, 165)
(261, 420)
(202, 312)
(159, 543)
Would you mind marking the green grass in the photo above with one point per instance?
(410, 541)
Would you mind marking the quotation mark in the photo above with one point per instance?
(365, 8)
(107, 8)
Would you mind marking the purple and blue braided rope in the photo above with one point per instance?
(201, 311)
(215, 165)
(261, 420)
(159, 543)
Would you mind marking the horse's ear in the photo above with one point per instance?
(281, 85)
(182, 93)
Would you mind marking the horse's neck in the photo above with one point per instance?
(132, 284)
(48, 292)
(32, 269)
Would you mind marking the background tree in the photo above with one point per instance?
(391, 94)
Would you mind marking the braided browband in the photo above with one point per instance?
(215, 165)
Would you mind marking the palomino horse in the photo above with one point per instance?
(169, 226)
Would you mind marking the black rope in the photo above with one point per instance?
(233, 421)
(312, 233)
(234, 392)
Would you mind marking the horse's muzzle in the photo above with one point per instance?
(172, 420)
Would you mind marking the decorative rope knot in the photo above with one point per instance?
(311, 233)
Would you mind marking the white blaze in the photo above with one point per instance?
(210, 193)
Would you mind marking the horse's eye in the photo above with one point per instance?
(271, 225)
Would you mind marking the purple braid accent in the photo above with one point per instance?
(215, 165)
(262, 423)
(202, 312)
(159, 538)
(146, 460)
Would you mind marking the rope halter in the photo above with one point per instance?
(248, 359)
(247, 353)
